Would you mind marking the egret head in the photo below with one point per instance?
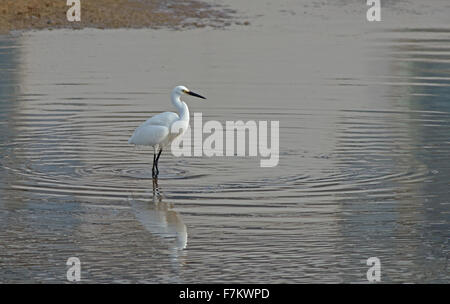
(180, 90)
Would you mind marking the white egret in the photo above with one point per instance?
(157, 131)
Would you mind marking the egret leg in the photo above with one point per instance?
(157, 159)
(154, 165)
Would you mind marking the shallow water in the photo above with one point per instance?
(364, 150)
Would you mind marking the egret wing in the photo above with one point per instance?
(149, 135)
(163, 119)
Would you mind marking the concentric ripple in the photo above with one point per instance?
(363, 163)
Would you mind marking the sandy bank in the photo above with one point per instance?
(50, 14)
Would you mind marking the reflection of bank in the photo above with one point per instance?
(161, 220)
(34, 231)
(10, 103)
(397, 211)
(428, 101)
(9, 96)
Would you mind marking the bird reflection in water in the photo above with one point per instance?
(158, 218)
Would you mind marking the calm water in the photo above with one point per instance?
(364, 170)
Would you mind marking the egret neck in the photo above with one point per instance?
(181, 106)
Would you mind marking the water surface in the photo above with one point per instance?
(364, 150)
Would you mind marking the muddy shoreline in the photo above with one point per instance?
(51, 14)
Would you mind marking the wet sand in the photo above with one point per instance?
(51, 14)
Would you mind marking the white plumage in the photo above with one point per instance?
(160, 130)
(155, 130)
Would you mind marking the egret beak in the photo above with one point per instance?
(195, 94)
